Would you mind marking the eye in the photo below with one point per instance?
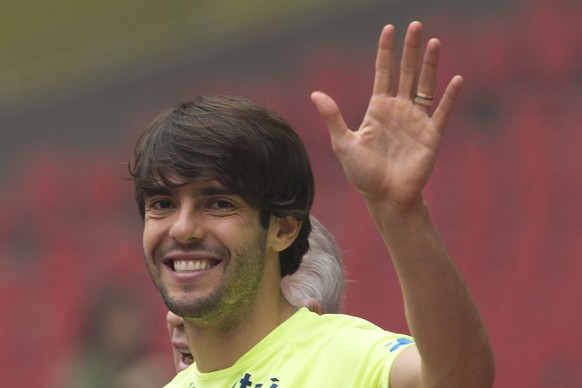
(160, 204)
(221, 204)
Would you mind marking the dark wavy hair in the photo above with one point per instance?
(250, 150)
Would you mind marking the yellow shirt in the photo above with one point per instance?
(309, 351)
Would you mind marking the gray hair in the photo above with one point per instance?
(320, 276)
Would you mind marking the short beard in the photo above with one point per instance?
(235, 295)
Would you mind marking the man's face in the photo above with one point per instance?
(204, 249)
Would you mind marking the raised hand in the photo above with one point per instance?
(391, 156)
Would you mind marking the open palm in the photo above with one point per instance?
(393, 152)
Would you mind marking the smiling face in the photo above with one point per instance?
(249, 149)
(204, 249)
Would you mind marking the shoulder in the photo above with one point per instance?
(345, 333)
(346, 324)
(343, 342)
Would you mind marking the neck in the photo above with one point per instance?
(219, 346)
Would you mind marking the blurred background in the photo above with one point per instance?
(79, 80)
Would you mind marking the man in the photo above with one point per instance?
(225, 189)
(318, 284)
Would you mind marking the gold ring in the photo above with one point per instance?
(423, 99)
(425, 95)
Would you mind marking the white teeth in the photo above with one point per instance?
(191, 265)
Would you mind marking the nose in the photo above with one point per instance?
(187, 226)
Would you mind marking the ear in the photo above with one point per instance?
(283, 231)
(314, 306)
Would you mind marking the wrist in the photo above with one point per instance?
(397, 219)
(388, 208)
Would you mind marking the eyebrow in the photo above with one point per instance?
(158, 190)
(216, 189)
(213, 188)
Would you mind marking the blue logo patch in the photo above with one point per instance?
(393, 345)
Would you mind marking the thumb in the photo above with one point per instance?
(330, 113)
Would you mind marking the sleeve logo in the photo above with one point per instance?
(394, 345)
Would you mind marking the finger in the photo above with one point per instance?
(445, 108)
(330, 113)
(409, 62)
(428, 74)
(384, 62)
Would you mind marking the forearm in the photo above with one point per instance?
(442, 317)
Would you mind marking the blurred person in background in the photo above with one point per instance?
(117, 351)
